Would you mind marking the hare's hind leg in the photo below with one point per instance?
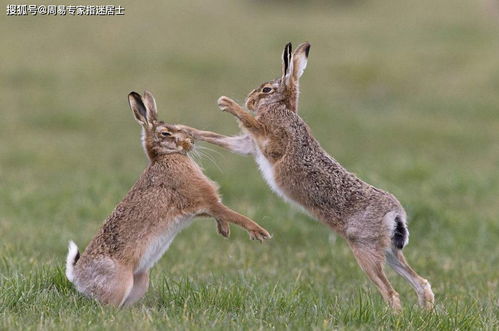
(117, 287)
(397, 261)
(106, 281)
(140, 286)
(372, 261)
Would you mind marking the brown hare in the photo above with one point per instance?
(297, 168)
(114, 267)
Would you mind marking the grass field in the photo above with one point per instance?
(405, 94)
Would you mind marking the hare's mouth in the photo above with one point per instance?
(187, 146)
(250, 103)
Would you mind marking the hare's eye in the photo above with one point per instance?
(266, 89)
(165, 133)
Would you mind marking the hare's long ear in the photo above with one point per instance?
(150, 103)
(138, 108)
(286, 60)
(299, 62)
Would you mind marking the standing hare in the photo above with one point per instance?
(297, 168)
(168, 195)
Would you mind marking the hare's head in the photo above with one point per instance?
(158, 137)
(286, 88)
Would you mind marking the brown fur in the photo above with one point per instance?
(172, 189)
(303, 173)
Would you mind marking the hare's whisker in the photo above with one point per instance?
(211, 159)
(211, 150)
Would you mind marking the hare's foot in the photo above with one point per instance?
(223, 228)
(194, 133)
(247, 120)
(224, 214)
(230, 106)
(427, 300)
(259, 234)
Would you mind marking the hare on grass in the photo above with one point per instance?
(114, 268)
(298, 169)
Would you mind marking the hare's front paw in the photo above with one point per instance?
(227, 104)
(187, 130)
(223, 228)
(259, 234)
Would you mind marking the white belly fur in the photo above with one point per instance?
(158, 245)
(267, 171)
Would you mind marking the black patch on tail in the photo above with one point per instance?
(77, 257)
(399, 234)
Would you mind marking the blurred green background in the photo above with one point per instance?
(403, 93)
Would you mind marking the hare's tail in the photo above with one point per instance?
(400, 236)
(71, 259)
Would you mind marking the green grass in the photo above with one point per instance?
(405, 94)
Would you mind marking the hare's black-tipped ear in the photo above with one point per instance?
(150, 103)
(299, 61)
(138, 108)
(286, 59)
